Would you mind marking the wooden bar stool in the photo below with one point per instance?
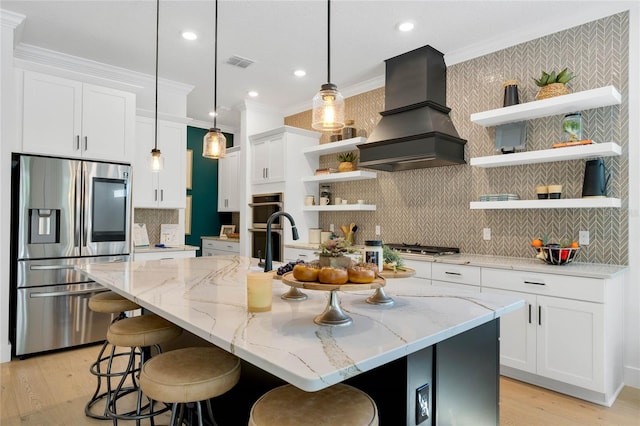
(336, 405)
(107, 302)
(140, 334)
(189, 375)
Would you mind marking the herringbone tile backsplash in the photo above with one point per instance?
(431, 206)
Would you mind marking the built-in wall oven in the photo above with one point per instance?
(262, 207)
(65, 213)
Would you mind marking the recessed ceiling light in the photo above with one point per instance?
(405, 26)
(252, 93)
(189, 35)
(212, 113)
(299, 73)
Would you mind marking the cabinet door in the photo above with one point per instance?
(52, 115)
(518, 333)
(172, 178)
(108, 120)
(228, 183)
(277, 154)
(145, 182)
(570, 342)
(259, 161)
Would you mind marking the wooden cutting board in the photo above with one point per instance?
(388, 273)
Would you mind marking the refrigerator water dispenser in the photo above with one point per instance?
(44, 226)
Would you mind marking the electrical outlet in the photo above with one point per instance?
(331, 228)
(486, 234)
(377, 230)
(583, 238)
(422, 403)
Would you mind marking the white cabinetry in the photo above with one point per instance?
(595, 98)
(292, 254)
(566, 333)
(464, 277)
(166, 188)
(229, 181)
(217, 247)
(268, 159)
(69, 118)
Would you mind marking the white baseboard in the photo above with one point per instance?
(5, 353)
(631, 376)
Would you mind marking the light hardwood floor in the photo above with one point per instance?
(53, 389)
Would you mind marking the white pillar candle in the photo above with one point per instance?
(259, 293)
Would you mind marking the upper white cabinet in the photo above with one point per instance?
(580, 101)
(268, 159)
(166, 188)
(229, 181)
(69, 118)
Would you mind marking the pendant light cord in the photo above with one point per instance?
(215, 74)
(328, 41)
(157, 32)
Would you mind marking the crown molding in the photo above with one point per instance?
(11, 19)
(207, 125)
(140, 112)
(31, 57)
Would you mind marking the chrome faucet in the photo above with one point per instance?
(268, 256)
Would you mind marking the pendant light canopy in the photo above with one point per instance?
(328, 103)
(156, 160)
(214, 144)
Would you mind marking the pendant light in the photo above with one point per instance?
(214, 144)
(156, 159)
(328, 103)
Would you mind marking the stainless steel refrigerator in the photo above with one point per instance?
(64, 213)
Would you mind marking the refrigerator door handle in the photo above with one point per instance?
(49, 267)
(66, 293)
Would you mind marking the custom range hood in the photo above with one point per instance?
(415, 130)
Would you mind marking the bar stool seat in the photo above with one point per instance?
(138, 333)
(336, 405)
(190, 375)
(107, 302)
(110, 302)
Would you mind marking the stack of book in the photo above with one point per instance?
(499, 197)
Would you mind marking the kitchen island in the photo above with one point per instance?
(445, 338)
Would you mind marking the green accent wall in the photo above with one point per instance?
(205, 219)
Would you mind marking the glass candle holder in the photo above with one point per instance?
(259, 291)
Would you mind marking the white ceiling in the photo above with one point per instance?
(281, 36)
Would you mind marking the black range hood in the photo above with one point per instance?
(415, 130)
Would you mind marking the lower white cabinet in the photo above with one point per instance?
(164, 254)
(217, 247)
(463, 277)
(423, 269)
(292, 254)
(569, 330)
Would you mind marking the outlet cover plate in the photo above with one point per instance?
(422, 403)
(583, 238)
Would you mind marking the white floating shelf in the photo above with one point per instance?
(342, 176)
(608, 149)
(340, 207)
(588, 99)
(567, 203)
(334, 147)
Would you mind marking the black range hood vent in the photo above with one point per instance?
(415, 130)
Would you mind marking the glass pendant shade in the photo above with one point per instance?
(328, 109)
(214, 144)
(156, 160)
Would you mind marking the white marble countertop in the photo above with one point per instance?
(578, 269)
(151, 249)
(207, 296)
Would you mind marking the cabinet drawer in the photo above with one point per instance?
(232, 246)
(579, 288)
(463, 274)
(291, 254)
(423, 269)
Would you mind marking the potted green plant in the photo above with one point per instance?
(332, 252)
(553, 84)
(347, 161)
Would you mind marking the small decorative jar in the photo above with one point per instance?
(373, 253)
(348, 131)
(572, 127)
(510, 93)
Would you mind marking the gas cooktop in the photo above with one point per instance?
(420, 249)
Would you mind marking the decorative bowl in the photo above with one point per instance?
(557, 255)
